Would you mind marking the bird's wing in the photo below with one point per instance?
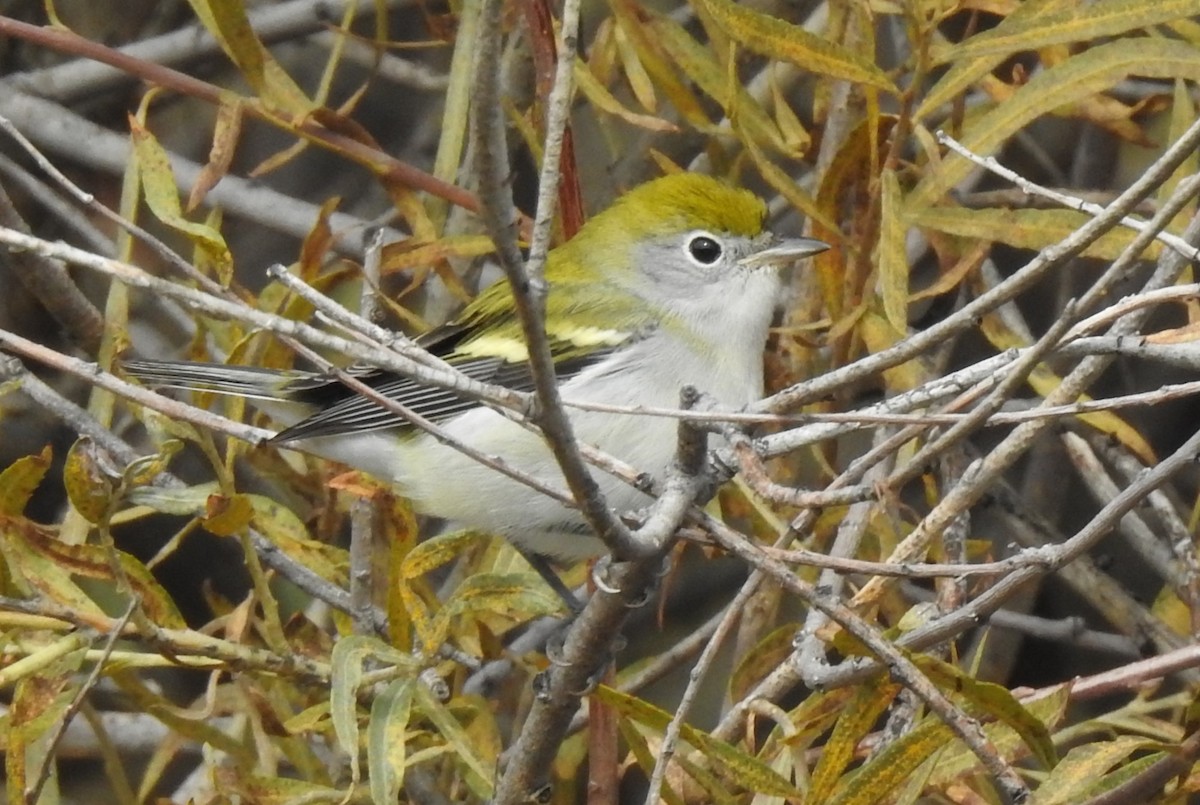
(342, 411)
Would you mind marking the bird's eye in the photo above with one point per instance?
(704, 249)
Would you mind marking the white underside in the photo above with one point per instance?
(445, 483)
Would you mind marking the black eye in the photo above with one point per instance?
(704, 249)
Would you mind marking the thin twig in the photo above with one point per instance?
(1071, 202)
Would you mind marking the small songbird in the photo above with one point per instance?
(673, 285)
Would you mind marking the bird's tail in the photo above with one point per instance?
(240, 381)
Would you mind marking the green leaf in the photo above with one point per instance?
(386, 745)
(958, 760)
(523, 594)
(347, 666)
(478, 776)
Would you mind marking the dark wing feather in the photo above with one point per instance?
(342, 411)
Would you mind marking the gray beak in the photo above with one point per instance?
(784, 251)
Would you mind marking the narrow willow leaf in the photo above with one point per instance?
(698, 64)
(1024, 229)
(1093, 71)
(886, 771)
(179, 501)
(19, 480)
(636, 74)
(1044, 381)
(645, 758)
(777, 39)
(742, 768)
(437, 551)
(602, 99)
(995, 701)
(478, 775)
(48, 564)
(1064, 23)
(957, 760)
(162, 196)
(40, 572)
(957, 80)
(347, 664)
(856, 720)
(263, 790)
(633, 23)
(783, 183)
(893, 258)
(386, 746)
(226, 132)
(226, 20)
(522, 594)
(1083, 766)
(406, 255)
(456, 102)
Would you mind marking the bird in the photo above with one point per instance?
(675, 284)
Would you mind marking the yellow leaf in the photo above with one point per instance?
(1024, 229)
(226, 131)
(635, 72)
(227, 516)
(783, 183)
(893, 257)
(162, 196)
(1044, 382)
(878, 334)
(47, 565)
(1079, 77)
(855, 722)
(958, 760)
(437, 551)
(777, 39)
(744, 769)
(40, 572)
(226, 20)
(387, 747)
(19, 480)
(698, 64)
(633, 20)
(603, 100)
(1045, 24)
(1075, 777)
(88, 480)
(476, 771)
(994, 700)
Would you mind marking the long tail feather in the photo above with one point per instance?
(241, 381)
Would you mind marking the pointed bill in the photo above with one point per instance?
(784, 251)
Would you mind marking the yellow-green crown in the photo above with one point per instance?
(681, 202)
